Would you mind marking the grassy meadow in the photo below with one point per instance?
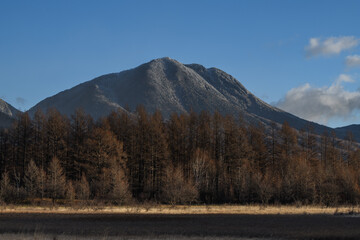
(184, 209)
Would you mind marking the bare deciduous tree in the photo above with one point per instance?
(32, 180)
(177, 189)
(83, 188)
(6, 189)
(56, 179)
(120, 187)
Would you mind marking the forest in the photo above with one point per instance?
(195, 158)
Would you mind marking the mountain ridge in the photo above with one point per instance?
(169, 86)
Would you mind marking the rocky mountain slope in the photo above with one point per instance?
(169, 86)
(7, 114)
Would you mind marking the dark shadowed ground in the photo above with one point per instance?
(207, 225)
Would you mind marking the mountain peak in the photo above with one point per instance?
(164, 60)
(162, 84)
(172, 87)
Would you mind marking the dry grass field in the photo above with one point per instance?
(184, 209)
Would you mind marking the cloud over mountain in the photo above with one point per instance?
(330, 46)
(322, 104)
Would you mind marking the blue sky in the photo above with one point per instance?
(293, 54)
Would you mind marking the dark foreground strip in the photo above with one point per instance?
(267, 226)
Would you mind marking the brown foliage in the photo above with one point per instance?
(178, 190)
(189, 157)
(56, 185)
(32, 180)
(6, 189)
(83, 188)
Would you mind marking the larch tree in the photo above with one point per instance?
(177, 189)
(56, 184)
(57, 129)
(159, 155)
(288, 144)
(204, 173)
(32, 180)
(80, 125)
(83, 188)
(39, 146)
(4, 149)
(258, 155)
(120, 192)
(6, 188)
(23, 132)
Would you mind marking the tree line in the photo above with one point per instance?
(188, 158)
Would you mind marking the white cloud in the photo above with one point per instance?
(322, 104)
(344, 78)
(330, 46)
(353, 61)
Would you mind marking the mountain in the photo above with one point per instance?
(169, 86)
(354, 129)
(7, 114)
